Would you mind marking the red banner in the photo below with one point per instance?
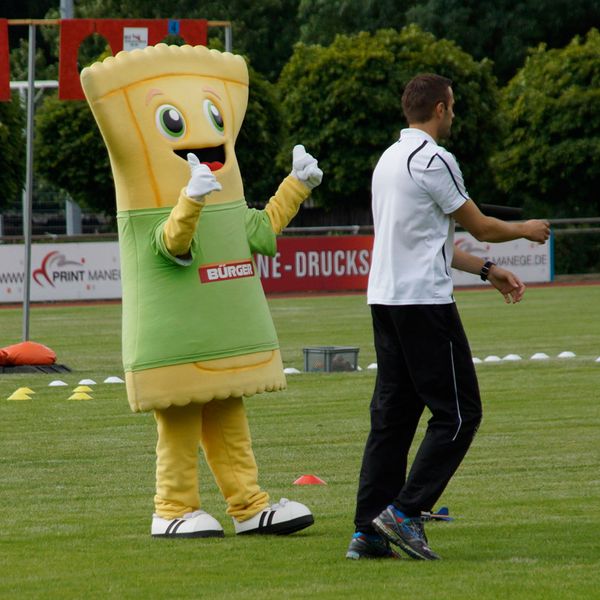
(4, 62)
(311, 264)
(74, 31)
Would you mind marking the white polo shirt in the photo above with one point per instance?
(416, 185)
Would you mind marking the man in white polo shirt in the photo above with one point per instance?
(423, 356)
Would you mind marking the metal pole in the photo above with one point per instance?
(73, 217)
(72, 210)
(228, 38)
(27, 197)
(66, 9)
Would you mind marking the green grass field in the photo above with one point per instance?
(77, 477)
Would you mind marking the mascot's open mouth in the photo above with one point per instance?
(213, 158)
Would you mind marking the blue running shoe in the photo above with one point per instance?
(364, 545)
(406, 533)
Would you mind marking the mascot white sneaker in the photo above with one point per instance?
(281, 518)
(195, 524)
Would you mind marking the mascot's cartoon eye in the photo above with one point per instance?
(170, 122)
(214, 116)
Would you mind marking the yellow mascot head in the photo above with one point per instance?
(155, 105)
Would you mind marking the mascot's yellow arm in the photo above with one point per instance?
(181, 224)
(284, 205)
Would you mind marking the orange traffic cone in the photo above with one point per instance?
(309, 480)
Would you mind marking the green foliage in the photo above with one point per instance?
(259, 141)
(549, 161)
(577, 253)
(265, 31)
(71, 154)
(12, 156)
(26, 9)
(343, 103)
(19, 61)
(503, 30)
(321, 20)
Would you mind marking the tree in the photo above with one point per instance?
(503, 30)
(70, 153)
(259, 141)
(343, 103)
(12, 157)
(264, 31)
(26, 9)
(321, 20)
(550, 157)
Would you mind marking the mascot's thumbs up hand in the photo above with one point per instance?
(202, 181)
(305, 168)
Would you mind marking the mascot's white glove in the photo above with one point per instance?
(202, 181)
(305, 168)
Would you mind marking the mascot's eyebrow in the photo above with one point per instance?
(211, 91)
(151, 93)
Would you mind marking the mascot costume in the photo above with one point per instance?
(197, 331)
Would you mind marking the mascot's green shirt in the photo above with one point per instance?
(210, 306)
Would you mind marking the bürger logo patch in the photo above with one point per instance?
(224, 271)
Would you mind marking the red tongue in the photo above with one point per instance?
(214, 166)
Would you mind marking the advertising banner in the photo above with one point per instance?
(87, 271)
(91, 271)
(134, 38)
(313, 264)
(530, 261)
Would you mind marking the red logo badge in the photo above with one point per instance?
(224, 271)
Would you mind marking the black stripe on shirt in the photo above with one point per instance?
(450, 172)
(412, 156)
(445, 259)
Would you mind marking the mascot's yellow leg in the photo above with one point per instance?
(179, 432)
(222, 428)
(228, 449)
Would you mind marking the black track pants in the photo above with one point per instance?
(423, 360)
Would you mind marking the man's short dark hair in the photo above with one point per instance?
(422, 94)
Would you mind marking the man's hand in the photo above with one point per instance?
(507, 283)
(202, 181)
(305, 168)
(536, 230)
